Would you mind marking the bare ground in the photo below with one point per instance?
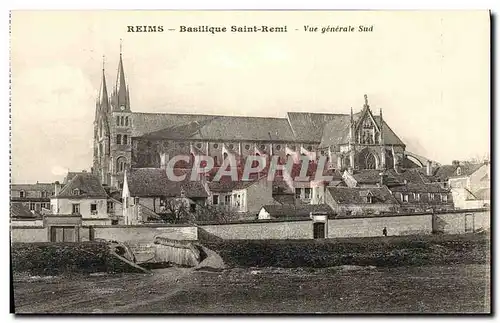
(346, 289)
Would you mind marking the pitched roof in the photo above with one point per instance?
(87, 183)
(296, 211)
(227, 185)
(211, 127)
(309, 127)
(336, 131)
(71, 175)
(40, 187)
(420, 188)
(143, 182)
(356, 195)
(392, 178)
(17, 210)
(467, 169)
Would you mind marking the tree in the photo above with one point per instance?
(177, 211)
(211, 213)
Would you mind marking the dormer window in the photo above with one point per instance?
(444, 198)
(76, 191)
(459, 171)
(44, 194)
(22, 194)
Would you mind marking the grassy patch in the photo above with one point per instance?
(379, 251)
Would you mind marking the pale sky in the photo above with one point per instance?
(428, 71)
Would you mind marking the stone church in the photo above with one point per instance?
(124, 139)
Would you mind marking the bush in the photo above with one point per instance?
(391, 251)
(50, 258)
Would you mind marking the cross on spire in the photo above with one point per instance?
(121, 46)
(103, 61)
(366, 101)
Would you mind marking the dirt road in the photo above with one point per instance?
(427, 289)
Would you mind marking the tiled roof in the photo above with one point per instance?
(356, 195)
(87, 183)
(17, 210)
(40, 187)
(143, 182)
(296, 211)
(211, 127)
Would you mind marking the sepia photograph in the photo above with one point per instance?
(250, 162)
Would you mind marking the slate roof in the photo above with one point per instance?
(392, 178)
(467, 169)
(210, 127)
(308, 127)
(336, 131)
(296, 211)
(227, 185)
(17, 210)
(40, 187)
(144, 182)
(356, 195)
(420, 188)
(71, 175)
(284, 199)
(87, 183)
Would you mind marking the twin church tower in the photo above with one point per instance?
(112, 130)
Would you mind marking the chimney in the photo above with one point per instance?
(455, 163)
(57, 188)
(429, 168)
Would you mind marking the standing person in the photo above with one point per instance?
(384, 231)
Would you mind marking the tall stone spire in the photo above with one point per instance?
(121, 85)
(103, 92)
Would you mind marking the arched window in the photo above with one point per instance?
(126, 121)
(100, 150)
(120, 164)
(225, 156)
(370, 161)
(100, 129)
(118, 139)
(216, 162)
(122, 122)
(117, 120)
(125, 142)
(459, 171)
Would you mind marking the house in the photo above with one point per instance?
(245, 198)
(358, 201)
(291, 212)
(36, 197)
(82, 195)
(412, 189)
(148, 192)
(469, 182)
(20, 215)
